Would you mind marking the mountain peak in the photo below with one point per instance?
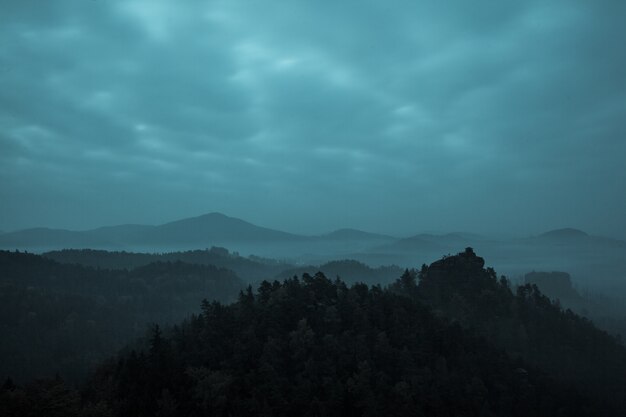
(466, 260)
(462, 273)
(348, 233)
(204, 218)
(565, 233)
(216, 229)
(214, 214)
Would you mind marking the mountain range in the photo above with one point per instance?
(593, 261)
(207, 230)
(219, 229)
(202, 231)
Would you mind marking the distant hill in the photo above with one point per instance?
(597, 263)
(555, 284)
(122, 233)
(349, 271)
(450, 339)
(600, 261)
(439, 244)
(566, 233)
(66, 317)
(215, 227)
(573, 237)
(354, 234)
(202, 231)
(316, 346)
(608, 312)
(206, 230)
(526, 324)
(249, 269)
(43, 238)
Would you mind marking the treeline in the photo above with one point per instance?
(444, 341)
(57, 318)
(526, 324)
(249, 269)
(607, 312)
(349, 271)
(452, 339)
(316, 347)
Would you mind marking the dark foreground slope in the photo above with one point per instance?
(67, 318)
(314, 347)
(526, 324)
(456, 342)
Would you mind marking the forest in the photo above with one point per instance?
(176, 339)
(65, 318)
(312, 208)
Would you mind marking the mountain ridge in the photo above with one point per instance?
(220, 230)
(204, 230)
(566, 232)
(350, 233)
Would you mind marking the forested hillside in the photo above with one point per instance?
(525, 323)
(349, 271)
(312, 346)
(607, 312)
(249, 269)
(67, 318)
(452, 339)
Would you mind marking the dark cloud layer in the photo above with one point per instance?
(482, 116)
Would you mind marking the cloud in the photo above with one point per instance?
(311, 115)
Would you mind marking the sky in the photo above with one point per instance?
(504, 117)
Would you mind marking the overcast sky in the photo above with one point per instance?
(306, 116)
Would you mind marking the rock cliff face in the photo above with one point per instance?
(466, 260)
(554, 284)
(458, 275)
(460, 288)
(525, 323)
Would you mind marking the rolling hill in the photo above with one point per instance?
(213, 229)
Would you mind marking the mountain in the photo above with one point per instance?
(556, 285)
(527, 324)
(43, 238)
(573, 237)
(594, 262)
(66, 318)
(122, 233)
(349, 271)
(564, 234)
(315, 346)
(249, 269)
(452, 339)
(354, 234)
(206, 230)
(216, 228)
(212, 229)
(419, 243)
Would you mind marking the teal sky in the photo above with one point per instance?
(397, 117)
